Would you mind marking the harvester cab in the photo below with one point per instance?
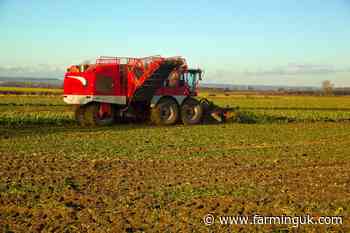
(191, 77)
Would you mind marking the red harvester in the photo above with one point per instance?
(119, 89)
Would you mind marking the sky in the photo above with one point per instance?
(270, 42)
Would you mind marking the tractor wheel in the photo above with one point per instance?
(98, 114)
(191, 112)
(79, 113)
(166, 112)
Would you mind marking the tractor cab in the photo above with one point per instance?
(183, 82)
(191, 78)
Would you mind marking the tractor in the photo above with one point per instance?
(123, 89)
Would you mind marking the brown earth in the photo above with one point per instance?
(49, 194)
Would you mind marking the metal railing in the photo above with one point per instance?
(126, 60)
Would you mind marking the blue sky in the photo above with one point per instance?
(269, 42)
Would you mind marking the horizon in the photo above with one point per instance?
(203, 84)
(251, 43)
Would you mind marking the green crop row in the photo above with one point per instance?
(23, 110)
(30, 100)
(285, 102)
(276, 116)
(35, 118)
(42, 116)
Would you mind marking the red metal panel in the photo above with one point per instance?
(109, 74)
(73, 83)
(107, 78)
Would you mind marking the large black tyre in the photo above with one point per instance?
(166, 112)
(92, 117)
(191, 112)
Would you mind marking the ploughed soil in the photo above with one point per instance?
(50, 194)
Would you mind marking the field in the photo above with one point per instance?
(282, 155)
(30, 91)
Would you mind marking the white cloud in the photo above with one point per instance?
(293, 74)
(40, 70)
(297, 69)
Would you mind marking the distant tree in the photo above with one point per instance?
(327, 87)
